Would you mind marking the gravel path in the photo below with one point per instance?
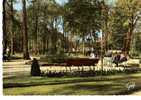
(138, 93)
(15, 68)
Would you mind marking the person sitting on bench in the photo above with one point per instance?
(119, 58)
(92, 55)
(122, 58)
(116, 59)
(6, 54)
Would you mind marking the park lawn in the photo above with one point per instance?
(99, 85)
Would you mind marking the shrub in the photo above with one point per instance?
(55, 58)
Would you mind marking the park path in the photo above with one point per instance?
(15, 68)
(138, 93)
(19, 68)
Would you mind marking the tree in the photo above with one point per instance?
(24, 30)
(82, 17)
(131, 11)
(136, 45)
(4, 27)
(35, 30)
(44, 18)
(116, 28)
(12, 27)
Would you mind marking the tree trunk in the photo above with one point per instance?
(101, 56)
(25, 34)
(36, 9)
(63, 37)
(127, 43)
(128, 39)
(47, 43)
(12, 29)
(44, 45)
(83, 48)
(4, 27)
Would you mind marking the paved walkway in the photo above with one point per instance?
(138, 93)
(15, 68)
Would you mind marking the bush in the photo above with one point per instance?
(55, 58)
(134, 54)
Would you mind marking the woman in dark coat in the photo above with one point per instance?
(35, 68)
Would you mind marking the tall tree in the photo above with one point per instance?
(105, 13)
(24, 30)
(35, 13)
(12, 28)
(83, 17)
(4, 27)
(131, 11)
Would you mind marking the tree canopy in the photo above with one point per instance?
(51, 27)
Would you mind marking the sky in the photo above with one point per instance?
(18, 5)
(61, 2)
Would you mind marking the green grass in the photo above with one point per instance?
(99, 85)
(86, 88)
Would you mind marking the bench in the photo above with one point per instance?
(131, 63)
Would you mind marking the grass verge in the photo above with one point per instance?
(98, 85)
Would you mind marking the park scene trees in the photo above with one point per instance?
(94, 43)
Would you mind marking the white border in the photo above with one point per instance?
(52, 97)
(1, 37)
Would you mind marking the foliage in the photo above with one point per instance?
(82, 16)
(56, 58)
(54, 28)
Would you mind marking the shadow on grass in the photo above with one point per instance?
(88, 89)
(35, 81)
(128, 92)
(79, 85)
(94, 89)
